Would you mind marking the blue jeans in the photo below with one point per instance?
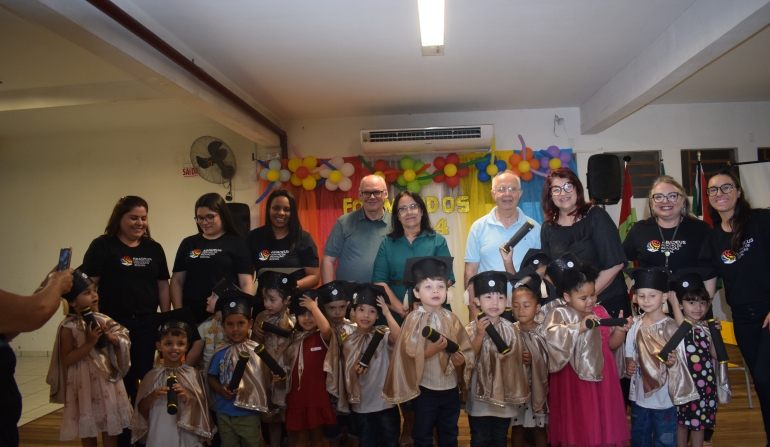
(489, 431)
(378, 429)
(653, 427)
(439, 410)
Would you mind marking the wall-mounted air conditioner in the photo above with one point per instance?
(427, 140)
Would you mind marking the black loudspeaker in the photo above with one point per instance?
(241, 217)
(604, 179)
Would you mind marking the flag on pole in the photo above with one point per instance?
(699, 197)
(627, 210)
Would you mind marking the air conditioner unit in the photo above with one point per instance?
(427, 140)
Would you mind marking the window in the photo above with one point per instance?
(643, 168)
(763, 154)
(712, 160)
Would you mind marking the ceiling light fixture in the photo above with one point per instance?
(431, 26)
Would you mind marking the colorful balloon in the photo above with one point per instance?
(524, 166)
(492, 169)
(534, 164)
(310, 162)
(553, 151)
(335, 176)
(439, 163)
(401, 181)
(483, 176)
(463, 172)
(294, 163)
(414, 186)
(263, 173)
(515, 159)
(453, 182)
(453, 158)
(565, 158)
(555, 163)
(406, 163)
(331, 186)
(309, 183)
(526, 176)
(302, 172)
(380, 165)
(501, 165)
(273, 175)
(274, 165)
(347, 169)
(345, 184)
(450, 170)
(409, 175)
(440, 178)
(296, 181)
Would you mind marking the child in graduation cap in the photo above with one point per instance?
(553, 277)
(423, 371)
(499, 379)
(376, 421)
(335, 296)
(211, 331)
(152, 424)
(88, 379)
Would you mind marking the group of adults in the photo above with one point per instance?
(372, 245)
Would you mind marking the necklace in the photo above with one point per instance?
(668, 244)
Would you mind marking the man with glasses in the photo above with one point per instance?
(489, 233)
(356, 237)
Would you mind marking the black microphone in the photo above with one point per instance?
(590, 324)
(430, 334)
(274, 329)
(88, 317)
(172, 403)
(508, 315)
(371, 347)
(240, 368)
(674, 341)
(526, 228)
(495, 336)
(719, 344)
(261, 351)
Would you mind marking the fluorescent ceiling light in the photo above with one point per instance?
(431, 22)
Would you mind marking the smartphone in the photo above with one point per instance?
(65, 256)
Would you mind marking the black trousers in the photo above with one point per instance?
(10, 398)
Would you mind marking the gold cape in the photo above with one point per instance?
(500, 378)
(255, 386)
(566, 345)
(724, 393)
(275, 344)
(106, 358)
(655, 374)
(407, 363)
(537, 370)
(335, 381)
(195, 415)
(352, 350)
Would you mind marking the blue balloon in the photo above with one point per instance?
(482, 165)
(501, 165)
(483, 176)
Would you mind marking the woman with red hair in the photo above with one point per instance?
(574, 225)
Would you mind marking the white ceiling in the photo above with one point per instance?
(338, 58)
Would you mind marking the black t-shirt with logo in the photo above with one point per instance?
(746, 274)
(128, 276)
(644, 244)
(265, 256)
(206, 262)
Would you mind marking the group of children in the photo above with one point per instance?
(542, 355)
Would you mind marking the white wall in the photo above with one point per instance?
(59, 190)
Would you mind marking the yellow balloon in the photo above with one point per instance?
(294, 163)
(450, 170)
(381, 174)
(492, 169)
(310, 162)
(316, 176)
(273, 175)
(309, 183)
(524, 166)
(296, 181)
(555, 163)
(409, 175)
(335, 176)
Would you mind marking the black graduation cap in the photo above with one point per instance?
(223, 286)
(295, 308)
(367, 294)
(271, 279)
(535, 258)
(80, 282)
(336, 290)
(418, 269)
(557, 267)
(178, 318)
(687, 280)
(236, 302)
(528, 277)
(491, 282)
(648, 278)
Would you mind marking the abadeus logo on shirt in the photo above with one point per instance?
(728, 257)
(264, 255)
(126, 260)
(653, 246)
(195, 253)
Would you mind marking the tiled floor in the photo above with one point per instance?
(30, 376)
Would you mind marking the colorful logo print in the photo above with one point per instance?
(728, 257)
(653, 246)
(195, 253)
(264, 255)
(126, 260)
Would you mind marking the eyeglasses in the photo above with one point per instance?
(375, 194)
(727, 188)
(405, 209)
(207, 218)
(557, 190)
(506, 189)
(671, 197)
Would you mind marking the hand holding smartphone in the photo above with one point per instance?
(65, 257)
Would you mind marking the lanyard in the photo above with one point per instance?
(667, 252)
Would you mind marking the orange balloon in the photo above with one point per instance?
(529, 153)
(527, 176)
(516, 171)
(514, 159)
(534, 163)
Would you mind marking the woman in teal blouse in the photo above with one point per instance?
(412, 236)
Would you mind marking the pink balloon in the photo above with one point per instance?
(553, 151)
(565, 158)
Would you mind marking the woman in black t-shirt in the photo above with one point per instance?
(203, 259)
(281, 243)
(574, 225)
(739, 250)
(132, 274)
